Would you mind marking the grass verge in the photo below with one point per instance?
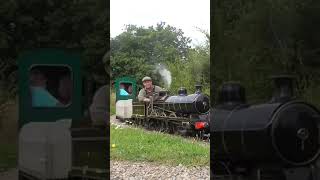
(135, 144)
(112, 103)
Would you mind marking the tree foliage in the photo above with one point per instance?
(196, 70)
(138, 51)
(256, 39)
(80, 25)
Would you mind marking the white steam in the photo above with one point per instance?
(165, 74)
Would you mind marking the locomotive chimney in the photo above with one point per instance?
(283, 88)
(198, 88)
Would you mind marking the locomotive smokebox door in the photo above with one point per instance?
(49, 102)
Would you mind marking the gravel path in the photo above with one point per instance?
(144, 170)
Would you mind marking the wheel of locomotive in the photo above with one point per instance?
(156, 121)
(171, 125)
(163, 122)
(146, 122)
(136, 121)
(199, 135)
(152, 121)
(131, 120)
(172, 114)
(21, 176)
(223, 171)
(141, 121)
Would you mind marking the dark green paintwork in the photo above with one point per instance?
(48, 57)
(126, 80)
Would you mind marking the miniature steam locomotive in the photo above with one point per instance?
(181, 114)
(277, 140)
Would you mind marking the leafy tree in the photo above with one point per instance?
(256, 39)
(196, 70)
(138, 50)
(81, 26)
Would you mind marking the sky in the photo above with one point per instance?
(187, 15)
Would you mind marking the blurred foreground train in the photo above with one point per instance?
(180, 114)
(277, 140)
(63, 127)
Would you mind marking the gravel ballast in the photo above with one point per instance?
(147, 170)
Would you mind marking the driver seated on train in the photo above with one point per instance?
(41, 97)
(148, 89)
(122, 90)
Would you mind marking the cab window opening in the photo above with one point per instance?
(50, 86)
(125, 89)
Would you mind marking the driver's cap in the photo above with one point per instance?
(146, 78)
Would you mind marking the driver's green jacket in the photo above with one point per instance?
(143, 93)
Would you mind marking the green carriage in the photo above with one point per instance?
(126, 89)
(128, 84)
(57, 137)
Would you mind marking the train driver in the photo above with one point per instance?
(146, 92)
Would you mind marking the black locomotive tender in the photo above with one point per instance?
(277, 140)
(180, 114)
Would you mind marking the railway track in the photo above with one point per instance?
(127, 123)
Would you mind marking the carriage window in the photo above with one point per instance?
(50, 86)
(125, 89)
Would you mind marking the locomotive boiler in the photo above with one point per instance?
(197, 103)
(275, 140)
(183, 114)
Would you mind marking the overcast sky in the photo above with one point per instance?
(187, 15)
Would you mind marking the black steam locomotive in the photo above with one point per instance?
(277, 140)
(182, 114)
(184, 104)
